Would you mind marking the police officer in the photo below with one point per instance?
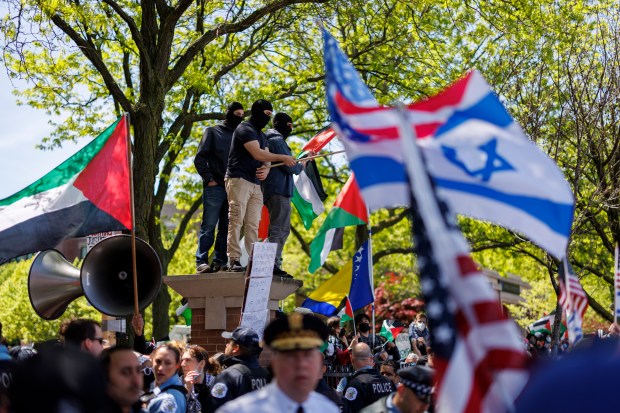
(243, 374)
(297, 367)
(366, 385)
(412, 395)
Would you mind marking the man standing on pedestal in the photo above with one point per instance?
(211, 162)
(278, 188)
(245, 171)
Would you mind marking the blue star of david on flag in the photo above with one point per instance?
(494, 162)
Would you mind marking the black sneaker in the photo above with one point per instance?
(203, 269)
(216, 266)
(235, 266)
(280, 272)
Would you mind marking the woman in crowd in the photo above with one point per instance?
(169, 392)
(198, 371)
(337, 352)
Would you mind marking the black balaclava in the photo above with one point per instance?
(280, 123)
(233, 120)
(258, 117)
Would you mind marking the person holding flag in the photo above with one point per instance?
(278, 187)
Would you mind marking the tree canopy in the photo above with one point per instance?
(173, 66)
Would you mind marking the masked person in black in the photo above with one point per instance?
(211, 162)
(243, 374)
(278, 188)
(245, 171)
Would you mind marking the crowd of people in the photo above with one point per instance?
(80, 373)
(234, 161)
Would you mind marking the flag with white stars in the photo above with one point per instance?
(483, 164)
(478, 355)
(573, 300)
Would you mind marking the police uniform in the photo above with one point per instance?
(287, 334)
(243, 375)
(419, 379)
(271, 399)
(365, 387)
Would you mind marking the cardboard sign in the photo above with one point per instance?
(93, 239)
(403, 344)
(255, 313)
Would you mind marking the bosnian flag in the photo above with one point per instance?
(87, 193)
(481, 161)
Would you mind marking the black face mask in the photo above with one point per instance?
(260, 120)
(364, 328)
(284, 130)
(233, 120)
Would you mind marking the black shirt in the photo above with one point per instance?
(241, 163)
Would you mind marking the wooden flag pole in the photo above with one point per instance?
(134, 263)
(308, 158)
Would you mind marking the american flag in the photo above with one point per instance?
(481, 160)
(479, 357)
(573, 300)
(616, 287)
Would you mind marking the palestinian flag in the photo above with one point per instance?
(308, 193)
(87, 193)
(389, 332)
(545, 325)
(349, 209)
(347, 314)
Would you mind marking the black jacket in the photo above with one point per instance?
(280, 178)
(365, 387)
(212, 157)
(242, 375)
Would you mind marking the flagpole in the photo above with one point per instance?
(134, 263)
(372, 277)
(421, 185)
(616, 287)
(308, 158)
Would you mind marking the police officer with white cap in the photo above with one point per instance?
(297, 368)
(413, 393)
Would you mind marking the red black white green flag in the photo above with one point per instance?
(87, 193)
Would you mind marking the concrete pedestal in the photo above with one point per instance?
(216, 301)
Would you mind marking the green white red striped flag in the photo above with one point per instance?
(87, 193)
(308, 193)
(349, 209)
(347, 314)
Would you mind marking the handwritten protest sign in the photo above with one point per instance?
(255, 312)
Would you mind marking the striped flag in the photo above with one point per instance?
(308, 193)
(482, 162)
(616, 288)
(87, 193)
(479, 357)
(348, 210)
(573, 300)
(347, 311)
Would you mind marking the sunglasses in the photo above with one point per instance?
(99, 339)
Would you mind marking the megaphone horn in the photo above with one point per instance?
(106, 279)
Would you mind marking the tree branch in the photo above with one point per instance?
(131, 23)
(197, 46)
(95, 58)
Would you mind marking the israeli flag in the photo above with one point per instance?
(485, 167)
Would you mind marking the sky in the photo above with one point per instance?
(21, 129)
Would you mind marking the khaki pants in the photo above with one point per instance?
(245, 203)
